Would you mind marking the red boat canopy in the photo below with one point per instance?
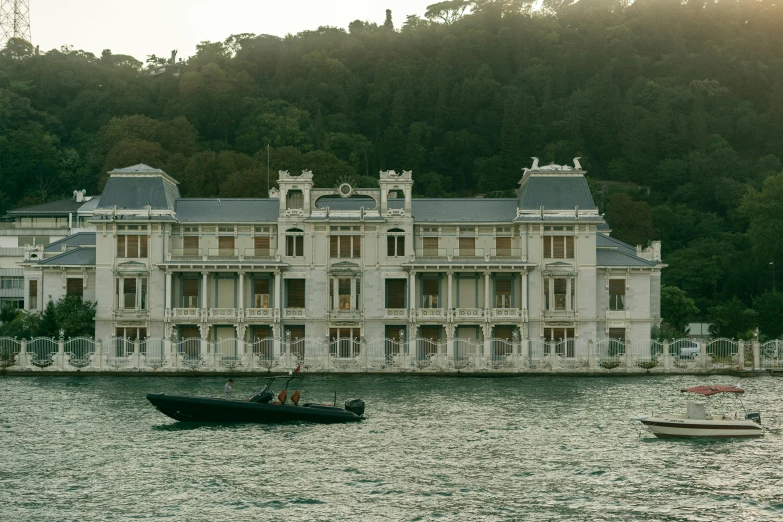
(712, 390)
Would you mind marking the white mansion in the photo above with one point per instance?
(351, 264)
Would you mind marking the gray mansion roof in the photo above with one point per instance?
(462, 210)
(138, 186)
(76, 240)
(613, 252)
(82, 256)
(226, 210)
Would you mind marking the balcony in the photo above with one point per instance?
(186, 315)
(396, 313)
(506, 314)
(617, 315)
(345, 315)
(259, 253)
(259, 314)
(469, 314)
(559, 315)
(431, 314)
(223, 314)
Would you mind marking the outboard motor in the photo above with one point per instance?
(755, 417)
(355, 406)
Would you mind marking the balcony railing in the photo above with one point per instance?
(506, 313)
(396, 313)
(219, 314)
(259, 313)
(469, 314)
(186, 314)
(259, 253)
(431, 253)
(505, 253)
(431, 313)
(294, 313)
(186, 254)
(227, 254)
(468, 253)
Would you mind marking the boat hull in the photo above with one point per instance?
(677, 427)
(203, 409)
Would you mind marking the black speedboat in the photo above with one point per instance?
(259, 408)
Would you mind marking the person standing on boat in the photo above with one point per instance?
(228, 389)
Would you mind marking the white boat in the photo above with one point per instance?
(697, 423)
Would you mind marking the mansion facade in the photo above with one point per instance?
(351, 263)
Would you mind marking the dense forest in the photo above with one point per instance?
(676, 109)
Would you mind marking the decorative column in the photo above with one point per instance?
(22, 358)
(740, 354)
(756, 352)
(450, 331)
(450, 305)
(486, 293)
(169, 299)
(204, 300)
(241, 297)
(667, 357)
(278, 291)
(592, 363)
(524, 290)
(568, 294)
(412, 292)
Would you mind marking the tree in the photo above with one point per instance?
(764, 212)
(75, 317)
(677, 309)
(631, 221)
(769, 310)
(447, 12)
(48, 326)
(388, 24)
(732, 319)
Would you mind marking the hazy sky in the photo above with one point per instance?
(144, 27)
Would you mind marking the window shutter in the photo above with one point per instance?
(33, 288)
(503, 246)
(261, 244)
(548, 247)
(120, 246)
(296, 293)
(190, 287)
(569, 247)
(226, 243)
(503, 332)
(299, 246)
(617, 287)
(191, 245)
(503, 286)
(391, 243)
(558, 247)
(334, 250)
(430, 246)
(617, 334)
(357, 246)
(400, 245)
(260, 286)
(133, 246)
(143, 245)
(75, 286)
(395, 293)
(467, 246)
(430, 286)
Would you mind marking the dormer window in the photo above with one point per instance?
(295, 199)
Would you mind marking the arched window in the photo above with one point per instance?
(395, 243)
(294, 242)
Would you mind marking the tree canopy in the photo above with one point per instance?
(675, 106)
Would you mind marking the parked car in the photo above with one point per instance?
(690, 349)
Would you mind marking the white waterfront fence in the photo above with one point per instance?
(401, 354)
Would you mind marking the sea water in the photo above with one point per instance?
(449, 448)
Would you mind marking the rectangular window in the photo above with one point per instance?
(503, 293)
(129, 293)
(430, 293)
(430, 246)
(226, 245)
(346, 247)
(261, 245)
(467, 246)
(9, 283)
(132, 246)
(395, 246)
(74, 286)
(558, 247)
(190, 244)
(617, 334)
(344, 291)
(295, 199)
(617, 294)
(261, 293)
(143, 302)
(294, 246)
(295, 291)
(33, 294)
(190, 293)
(560, 293)
(503, 246)
(395, 293)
